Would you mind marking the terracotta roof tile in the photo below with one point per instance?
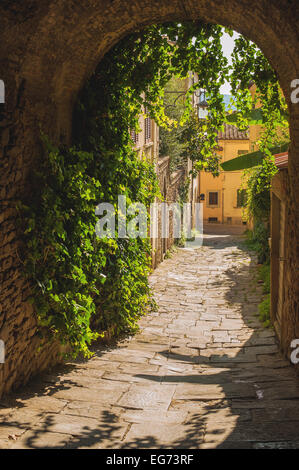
(231, 132)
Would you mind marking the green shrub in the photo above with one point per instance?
(264, 275)
(264, 311)
(257, 240)
(254, 242)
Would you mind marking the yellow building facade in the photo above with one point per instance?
(223, 196)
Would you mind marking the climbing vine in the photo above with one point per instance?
(83, 285)
(170, 141)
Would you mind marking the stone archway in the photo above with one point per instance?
(48, 50)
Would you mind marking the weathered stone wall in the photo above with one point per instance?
(290, 314)
(279, 208)
(159, 245)
(48, 50)
(169, 186)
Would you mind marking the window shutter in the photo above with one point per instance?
(213, 198)
(147, 127)
(134, 136)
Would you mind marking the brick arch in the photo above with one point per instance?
(48, 50)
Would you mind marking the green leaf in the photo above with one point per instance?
(249, 160)
(255, 116)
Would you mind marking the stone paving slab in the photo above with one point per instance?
(202, 372)
(165, 436)
(148, 397)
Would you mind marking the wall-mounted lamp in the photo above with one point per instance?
(202, 105)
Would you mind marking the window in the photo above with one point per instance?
(241, 197)
(213, 220)
(147, 127)
(213, 198)
(134, 136)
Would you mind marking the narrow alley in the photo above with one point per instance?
(202, 372)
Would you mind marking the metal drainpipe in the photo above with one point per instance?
(223, 205)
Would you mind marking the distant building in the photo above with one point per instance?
(223, 197)
(146, 142)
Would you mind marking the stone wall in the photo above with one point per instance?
(282, 232)
(48, 50)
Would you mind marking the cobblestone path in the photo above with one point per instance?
(202, 372)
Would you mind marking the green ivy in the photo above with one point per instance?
(264, 311)
(85, 285)
(170, 137)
